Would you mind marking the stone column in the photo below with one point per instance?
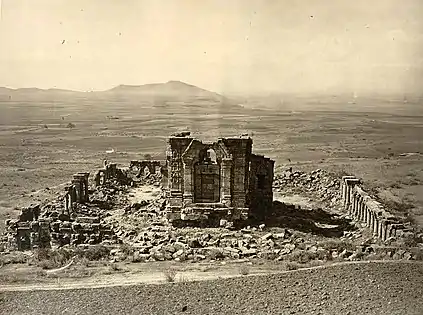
(113, 169)
(77, 184)
(66, 198)
(344, 188)
(80, 179)
(356, 209)
(102, 177)
(347, 195)
(384, 230)
(350, 182)
(352, 203)
(368, 212)
(360, 208)
(364, 211)
(375, 224)
(391, 229)
(225, 179)
(97, 179)
(188, 173)
(85, 180)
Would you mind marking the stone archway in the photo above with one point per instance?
(207, 178)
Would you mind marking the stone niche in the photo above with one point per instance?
(221, 179)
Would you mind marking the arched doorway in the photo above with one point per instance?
(207, 178)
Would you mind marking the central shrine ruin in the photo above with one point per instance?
(217, 180)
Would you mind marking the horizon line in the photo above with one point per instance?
(239, 94)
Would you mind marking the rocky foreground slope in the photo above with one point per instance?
(364, 288)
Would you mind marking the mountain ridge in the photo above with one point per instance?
(172, 84)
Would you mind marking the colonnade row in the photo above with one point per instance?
(363, 208)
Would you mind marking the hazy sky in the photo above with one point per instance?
(230, 46)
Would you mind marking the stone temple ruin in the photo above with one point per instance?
(202, 183)
(218, 180)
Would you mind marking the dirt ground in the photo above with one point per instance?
(381, 143)
(364, 288)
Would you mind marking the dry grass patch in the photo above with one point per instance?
(244, 270)
(170, 275)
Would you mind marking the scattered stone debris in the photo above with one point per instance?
(319, 184)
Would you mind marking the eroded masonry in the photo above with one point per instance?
(217, 180)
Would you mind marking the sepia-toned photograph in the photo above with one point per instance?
(211, 157)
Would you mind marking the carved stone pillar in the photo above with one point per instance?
(66, 198)
(368, 212)
(81, 180)
(188, 172)
(66, 202)
(384, 234)
(375, 223)
(225, 180)
(350, 182)
(355, 206)
(77, 184)
(85, 177)
(345, 190)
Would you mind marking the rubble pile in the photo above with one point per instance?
(139, 179)
(319, 184)
(147, 236)
(160, 242)
(76, 217)
(29, 230)
(86, 224)
(52, 226)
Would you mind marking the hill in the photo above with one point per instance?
(172, 90)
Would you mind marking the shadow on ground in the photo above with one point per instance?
(315, 221)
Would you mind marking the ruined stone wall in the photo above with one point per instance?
(365, 209)
(28, 231)
(152, 165)
(155, 167)
(260, 196)
(240, 149)
(70, 221)
(110, 172)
